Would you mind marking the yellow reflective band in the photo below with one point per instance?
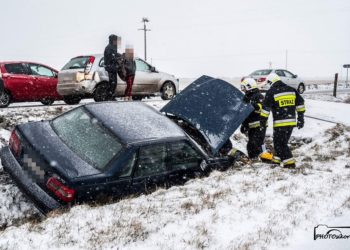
(260, 106)
(254, 124)
(284, 124)
(232, 152)
(276, 159)
(264, 113)
(301, 108)
(288, 162)
(284, 97)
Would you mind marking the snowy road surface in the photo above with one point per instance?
(253, 207)
(327, 91)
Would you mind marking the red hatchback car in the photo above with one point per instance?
(26, 82)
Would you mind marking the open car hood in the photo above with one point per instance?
(212, 106)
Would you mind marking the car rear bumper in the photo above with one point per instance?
(44, 202)
(76, 88)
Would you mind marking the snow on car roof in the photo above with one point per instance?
(135, 121)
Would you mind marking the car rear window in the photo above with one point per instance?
(15, 68)
(263, 72)
(77, 63)
(85, 136)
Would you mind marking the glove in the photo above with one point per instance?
(300, 122)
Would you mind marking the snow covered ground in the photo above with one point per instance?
(247, 207)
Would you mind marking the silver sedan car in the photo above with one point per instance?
(85, 77)
(286, 76)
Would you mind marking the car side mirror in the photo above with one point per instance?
(295, 76)
(55, 75)
(153, 69)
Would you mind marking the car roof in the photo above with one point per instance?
(100, 56)
(26, 62)
(135, 122)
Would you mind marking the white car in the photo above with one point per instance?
(286, 76)
(85, 77)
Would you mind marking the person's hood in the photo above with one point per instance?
(112, 38)
(212, 106)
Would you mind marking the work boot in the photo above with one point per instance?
(290, 163)
(266, 157)
(276, 160)
(290, 166)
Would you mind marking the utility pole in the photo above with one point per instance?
(145, 20)
(286, 59)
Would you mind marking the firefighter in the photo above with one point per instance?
(251, 126)
(284, 102)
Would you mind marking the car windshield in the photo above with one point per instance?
(77, 63)
(263, 72)
(85, 136)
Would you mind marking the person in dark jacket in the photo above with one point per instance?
(284, 102)
(130, 71)
(112, 61)
(251, 126)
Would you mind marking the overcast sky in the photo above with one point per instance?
(189, 37)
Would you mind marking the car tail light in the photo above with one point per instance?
(89, 64)
(63, 192)
(15, 143)
(261, 79)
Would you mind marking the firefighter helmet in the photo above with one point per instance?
(248, 84)
(272, 78)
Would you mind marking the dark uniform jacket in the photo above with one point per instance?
(111, 58)
(283, 101)
(253, 120)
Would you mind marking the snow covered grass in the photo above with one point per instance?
(247, 207)
(345, 98)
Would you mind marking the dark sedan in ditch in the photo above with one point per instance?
(115, 149)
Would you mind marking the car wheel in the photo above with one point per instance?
(101, 93)
(168, 91)
(137, 98)
(301, 88)
(72, 100)
(5, 99)
(47, 101)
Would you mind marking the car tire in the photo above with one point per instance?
(72, 100)
(168, 91)
(47, 102)
(301, 88)
(137, 98)
(5, 99)
(101, 93)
